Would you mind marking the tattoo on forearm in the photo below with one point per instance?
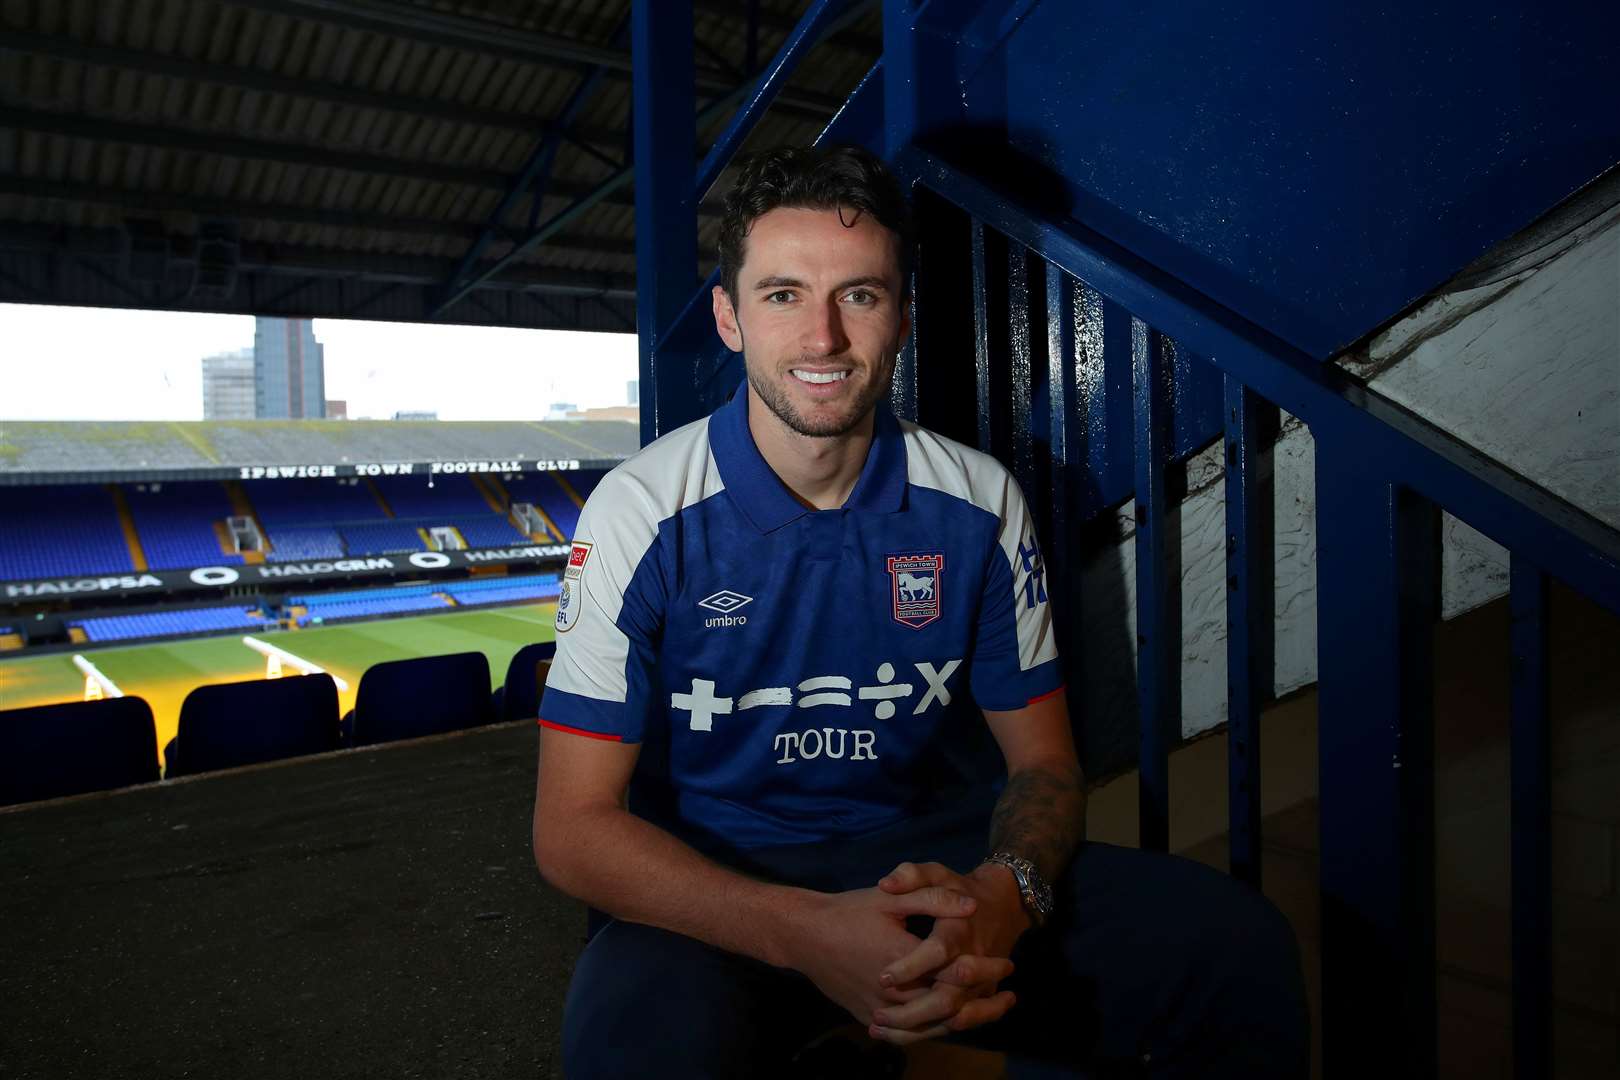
(1041, 815)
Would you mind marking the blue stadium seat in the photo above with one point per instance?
(519, 697)
(176, 523)
(64, 530)
(48, 751)
(382, 538)
(490, 530)
(152, 624)
(544, 490)
(244, 723)
(405, 699)
(296, 543)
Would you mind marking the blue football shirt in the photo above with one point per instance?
(790, 666)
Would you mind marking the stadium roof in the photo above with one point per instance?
(357, 158)
(43, 452)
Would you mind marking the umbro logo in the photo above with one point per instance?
(725, 602)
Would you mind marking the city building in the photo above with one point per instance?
(227, 386)
(337, 409)
(416, 414)
(289, 370)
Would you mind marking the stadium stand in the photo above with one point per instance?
(410, 497)
(491, 530)
(283, 503)
(176, 523)
(584, 481)
(121, 446)
(62, 531)
(508, 590)
(150, 624)
(370, 609)
(365, 603)
(243, 723)
(382, 538)
(543, 490)
(49, 751)
(296, 543)
(405, 699)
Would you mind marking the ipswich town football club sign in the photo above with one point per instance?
(914, 583)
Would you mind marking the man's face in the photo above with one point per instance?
(819, 310)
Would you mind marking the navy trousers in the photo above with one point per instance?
(1153, 966)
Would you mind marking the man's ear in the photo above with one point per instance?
(725, 320)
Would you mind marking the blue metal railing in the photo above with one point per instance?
(1132, 371)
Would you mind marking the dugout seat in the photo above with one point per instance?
(518, 698)
(48, 751)
(406, 699)
(244, 723)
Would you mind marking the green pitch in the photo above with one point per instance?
(164, 674)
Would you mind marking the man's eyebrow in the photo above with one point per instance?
(867, 280)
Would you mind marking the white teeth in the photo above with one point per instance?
(819, 376)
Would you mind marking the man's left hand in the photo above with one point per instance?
(966, 958)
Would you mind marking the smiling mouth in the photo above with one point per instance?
(819, 378)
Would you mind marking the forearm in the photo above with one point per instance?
(620, 864)
(1041, 816)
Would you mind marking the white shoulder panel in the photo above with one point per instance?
(619, 524)
(947, 466)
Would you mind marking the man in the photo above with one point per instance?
(766, 619)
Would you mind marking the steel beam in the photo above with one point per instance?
(818, 20)
(854, 40)
(1377, 586)
(203, 142)
(1513, 511)
(105, 244)
(1531, 785)
(666, 226)
(496, 39)
(371, 221)
(532, 179)
(1250, 600)
(270, 82)
(1158, 648)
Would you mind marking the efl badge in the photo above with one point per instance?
(914, 583)
(568, 596)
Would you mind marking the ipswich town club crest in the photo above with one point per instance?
(914, 584)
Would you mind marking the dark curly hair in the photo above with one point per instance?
(812, 178)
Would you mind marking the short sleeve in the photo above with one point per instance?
(609, 620)
(1015, 659)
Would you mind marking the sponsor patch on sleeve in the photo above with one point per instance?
(568, 596)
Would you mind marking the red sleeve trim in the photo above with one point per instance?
(581, 731)
(1038, 697)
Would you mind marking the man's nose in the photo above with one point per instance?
(825, 335)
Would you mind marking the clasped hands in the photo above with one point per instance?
(945, 983)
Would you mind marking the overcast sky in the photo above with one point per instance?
(61, 363)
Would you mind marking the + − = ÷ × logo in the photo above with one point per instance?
(725, 601)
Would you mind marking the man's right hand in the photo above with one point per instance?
(844, 940)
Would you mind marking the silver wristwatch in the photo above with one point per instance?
(1033, 890)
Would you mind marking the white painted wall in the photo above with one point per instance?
(1527, 369)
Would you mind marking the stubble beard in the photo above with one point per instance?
(775, 396)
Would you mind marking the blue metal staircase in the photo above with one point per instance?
(1145, 230)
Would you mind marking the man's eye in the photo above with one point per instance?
(861, 296)
(780, 296)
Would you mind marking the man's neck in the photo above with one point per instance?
(820, 472)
